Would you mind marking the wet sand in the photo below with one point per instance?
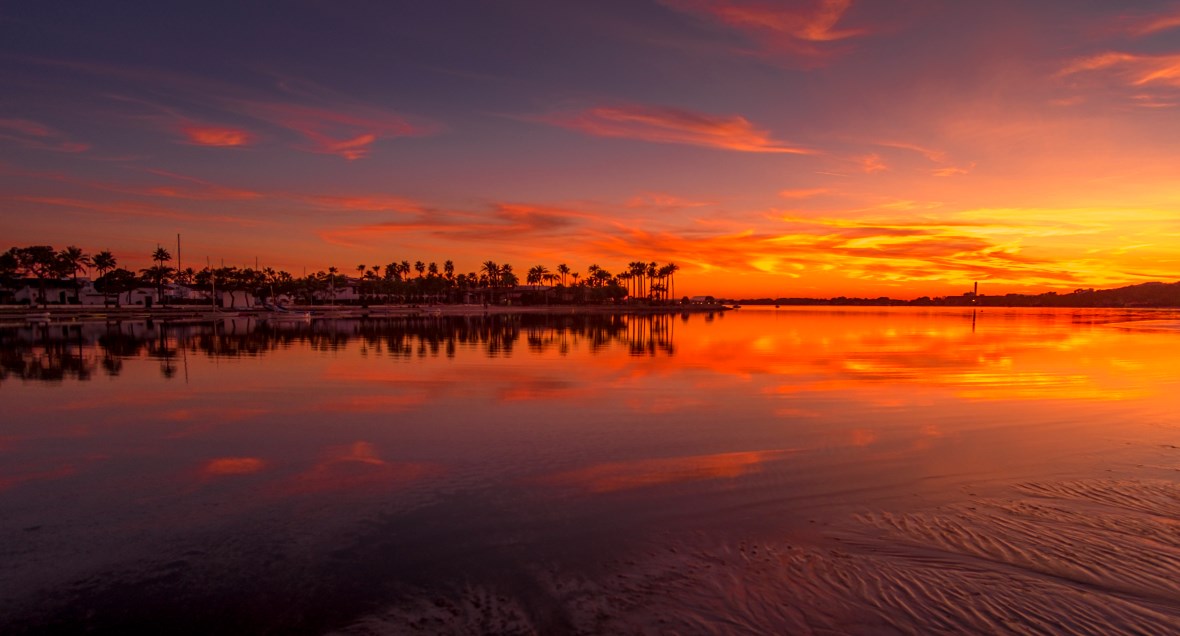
(1078, 557)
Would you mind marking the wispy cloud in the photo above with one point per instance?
(663, 200)
(173, 186)
(364, 203)
(663, 124)
(38, 136)
(124, 209)
(1140, 73)
(805, 193)
(222, 136)
(1156, 24)
(327, 122)
(871, 163)
(347, 132)
(501, 222)
(799, 29)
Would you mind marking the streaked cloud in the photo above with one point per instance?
(232, 466)
(1156, 24)
(662, 124)
(804, 193)
(871, 163)
(1129, 69)
(38, 136)
(795, 28)
(345, 131)
(216, 136)
(663, 200)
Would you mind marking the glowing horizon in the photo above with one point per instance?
(814, 148)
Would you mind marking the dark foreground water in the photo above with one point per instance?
(762, 471)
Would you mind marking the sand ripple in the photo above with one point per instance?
(1087, 557)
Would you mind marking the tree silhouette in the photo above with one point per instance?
(74, 260)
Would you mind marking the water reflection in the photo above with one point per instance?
(76, 351)
(787, 471)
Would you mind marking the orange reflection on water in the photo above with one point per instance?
(370, 403)
(357, 466)
(615, 476)
(33, 474)
(232, 466)
(1007, 357)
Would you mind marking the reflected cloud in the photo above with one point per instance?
(618, 476)
(232, 466)
(371, 403)
(357, 467)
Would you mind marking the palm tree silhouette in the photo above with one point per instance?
(74, 260)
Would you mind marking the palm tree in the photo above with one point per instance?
(564, 270)
(536, 274)
(638, 269)
(420, 267)
(672, 268)
(507, 276)
(332, 271)
(157, 275)
(159, 272)
(592, 272)
(650, 273)
(103, 261)
(73, 260)
(492, 271)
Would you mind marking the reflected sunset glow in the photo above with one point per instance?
(611, 477)
(801, 456)
(771, 149)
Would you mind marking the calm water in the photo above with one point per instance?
(761, 471)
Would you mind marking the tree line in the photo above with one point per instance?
(396, 281)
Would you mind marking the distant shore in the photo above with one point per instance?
(9, 313)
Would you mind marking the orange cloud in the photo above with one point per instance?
(136, 209)
(216, 136)
(818, 25)
(796, 30)
(1157, 24)
(507, 222)
(674, 126)
(38, 136)
(1137, 71)
(663, 200)
(871, 163)
(366, 203)
(802, 194)
(951, 171)
(344, 132)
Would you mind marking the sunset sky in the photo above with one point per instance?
(813, 148)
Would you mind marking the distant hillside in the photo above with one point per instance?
(1142, 295)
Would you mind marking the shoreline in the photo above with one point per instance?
(72, 313)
